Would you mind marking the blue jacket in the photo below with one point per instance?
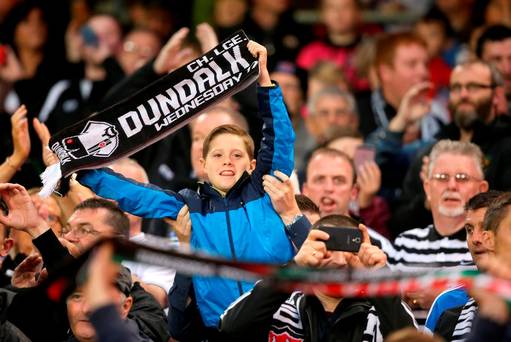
(241, 226)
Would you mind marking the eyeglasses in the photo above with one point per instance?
(80, 231)
(470, 87)
(458, 177)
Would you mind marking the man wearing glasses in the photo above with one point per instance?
(454, 175)
(473, 102)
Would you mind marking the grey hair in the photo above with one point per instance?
(456, 147)
(332, 91)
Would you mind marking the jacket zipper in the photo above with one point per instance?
(231, 242)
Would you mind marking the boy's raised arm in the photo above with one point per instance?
(277, 144)
(144, 200)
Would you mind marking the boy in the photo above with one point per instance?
(231, 215)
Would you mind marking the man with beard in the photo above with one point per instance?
(454, 175)
(473, 102)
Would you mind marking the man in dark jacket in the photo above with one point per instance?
(268, 314)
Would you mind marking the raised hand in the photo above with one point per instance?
(22, 214)
(29, 272)
(414, 106)
(44, 135)
(206, 36)
(369, 182)
(282, 196)
(259, 51)
(20, 137)
(368, 256)
(172, 55)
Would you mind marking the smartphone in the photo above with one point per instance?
(363, 154)
(342, 238)
(89, 36)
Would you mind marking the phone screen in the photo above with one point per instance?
(342, 238)
(89, 36)
(364, 154)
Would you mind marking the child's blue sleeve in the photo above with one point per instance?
(277, 144)
(144, 200)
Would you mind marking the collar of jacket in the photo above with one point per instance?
(207, 189)
(315, 312)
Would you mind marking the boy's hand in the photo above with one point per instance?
(182, 225)
(282, 196)
(259, 51)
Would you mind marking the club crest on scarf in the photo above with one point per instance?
(99, 139)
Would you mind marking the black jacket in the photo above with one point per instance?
(264, 313)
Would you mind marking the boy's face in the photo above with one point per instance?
(226, 161)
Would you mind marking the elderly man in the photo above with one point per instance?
(455, 174)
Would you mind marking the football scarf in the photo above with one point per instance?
(152, 113)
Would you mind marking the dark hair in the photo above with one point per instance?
(434, 15)
(496, 212)
(229, 129)
(16, 15)
(336, 221)
(493, 33)
(332, 152)
(116, 218)
(482, 200)
(306, 204)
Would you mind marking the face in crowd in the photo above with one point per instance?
(226, 161)
(78, 312)
(452, 181)
(330, 183)
(86, 226)
(471, 98)
(201, 127)
(480, 247)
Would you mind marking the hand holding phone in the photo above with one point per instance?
(342, 238)
(363, 154)
(89, 37)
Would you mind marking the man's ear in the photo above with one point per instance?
(126, 307)
(384, 72)
(354, 192)
(484, 186)
(425, 184)
(6, 246)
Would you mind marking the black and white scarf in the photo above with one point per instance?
(152, 113)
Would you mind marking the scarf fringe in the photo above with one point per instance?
(50, 178)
